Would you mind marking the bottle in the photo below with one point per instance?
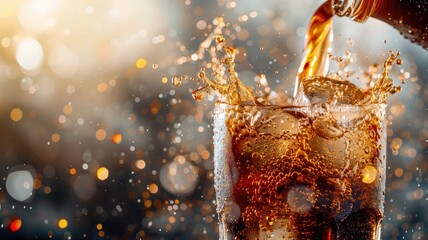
(409, 17)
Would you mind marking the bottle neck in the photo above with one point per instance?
(357, 10)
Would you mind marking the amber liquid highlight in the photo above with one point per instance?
(319, 37)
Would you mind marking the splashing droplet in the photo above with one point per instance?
(219, 39)
(198, 95)
(176, 81)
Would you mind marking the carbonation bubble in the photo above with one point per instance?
(256, 157)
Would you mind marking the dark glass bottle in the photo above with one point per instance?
(409, 17)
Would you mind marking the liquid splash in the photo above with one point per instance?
(314, 85)
(223, 79)
(230, 89)
(325, 90)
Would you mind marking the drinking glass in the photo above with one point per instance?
(315, 172)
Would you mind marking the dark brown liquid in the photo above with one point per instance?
(363, 224)
(284, 179)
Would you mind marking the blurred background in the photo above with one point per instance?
(97, 143)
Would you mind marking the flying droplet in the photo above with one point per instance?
(219, 39)
(198, 95)
(176, 81)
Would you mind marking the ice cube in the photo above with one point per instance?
(325, 122)
(319, 90)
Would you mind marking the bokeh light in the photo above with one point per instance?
(16, 114)
(141, 63)
(140, 164)
(102, 173)
(72, 171)
(62, 223)
(19, 184)
(179, 177)
(117, 138)
(15, 225)
(29, 54)
(100, 134)
(84, 187)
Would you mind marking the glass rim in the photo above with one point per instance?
(334, 108)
